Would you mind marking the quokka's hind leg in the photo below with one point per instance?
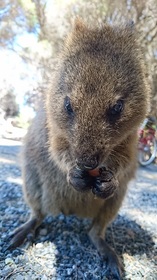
(33, 195)
(106, 214)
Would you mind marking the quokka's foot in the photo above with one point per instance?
(113, 266)
(24, 232)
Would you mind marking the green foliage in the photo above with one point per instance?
(29, 10)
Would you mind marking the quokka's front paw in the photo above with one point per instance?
(106, 184)
(80, 179)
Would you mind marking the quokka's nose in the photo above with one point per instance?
(88, 164)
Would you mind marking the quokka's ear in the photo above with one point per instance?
(79, 25)
(73, 38)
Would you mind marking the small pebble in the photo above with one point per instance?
(44, 277)
(69, 271)
(9, 261)
(39, 245)
(43, 231)
(19, 277)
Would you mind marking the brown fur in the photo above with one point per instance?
(96, 68)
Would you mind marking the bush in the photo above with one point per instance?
(9, 105)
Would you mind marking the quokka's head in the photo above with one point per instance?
(100, 93)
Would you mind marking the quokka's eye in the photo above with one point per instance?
(117, 108)
(67, 106)
(114, 112)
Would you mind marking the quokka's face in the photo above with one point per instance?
(101, 91)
